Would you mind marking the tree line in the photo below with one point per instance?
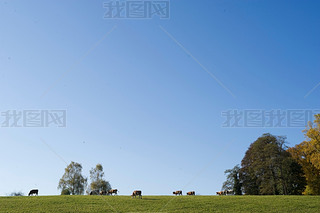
(270, 167)
(74, 183)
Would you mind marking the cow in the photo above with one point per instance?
(221, 193)
(177, 192)
(218, 193)
(103, 192)
(191, 193)
(229, 192)
(94, 192)
(113, 191)
(225, 192)
(33, 192)
(136, 193)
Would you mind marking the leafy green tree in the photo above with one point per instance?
(16, 194)
(72, 180)
(233, 180)
(268, 169)
(65, 192)
(292, 178)
(98, 183)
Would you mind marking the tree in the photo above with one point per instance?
(233, 180)
(312, 144)
(98, 183)
(72, 180)
(268, 169)
(65, 192)
(293, 181)
(16, 194)
(307, 154)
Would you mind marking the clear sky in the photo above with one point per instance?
(144, 97)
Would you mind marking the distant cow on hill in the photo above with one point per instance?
(103, 192)
(94, 192)
(191, 193)
(177, 192)
(229, 192)
(137, 193)
(220, 193)
(33, 192)
(113, 191)
(225, 192)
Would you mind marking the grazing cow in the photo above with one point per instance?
(94, 192)
(103, 192)
(220, 193)
(191, 193)
(113, 191)
(177, 192)
(225, 192)
(229, 192)
(136, 193)
(33, 192)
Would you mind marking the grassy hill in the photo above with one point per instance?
(161, 204)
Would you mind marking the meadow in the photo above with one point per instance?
(161, 204)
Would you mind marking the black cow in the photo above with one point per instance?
(103, 192)
(94, 192)
(33, 192)
(137, 193)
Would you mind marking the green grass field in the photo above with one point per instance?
(161, 204)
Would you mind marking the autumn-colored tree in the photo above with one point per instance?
(307, 154)
(312, 145)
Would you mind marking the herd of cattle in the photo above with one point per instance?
(135, 193)
(226, 192)
(104, 192)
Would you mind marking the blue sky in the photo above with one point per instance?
(140, 104)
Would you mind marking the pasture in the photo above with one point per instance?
(161, 204)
